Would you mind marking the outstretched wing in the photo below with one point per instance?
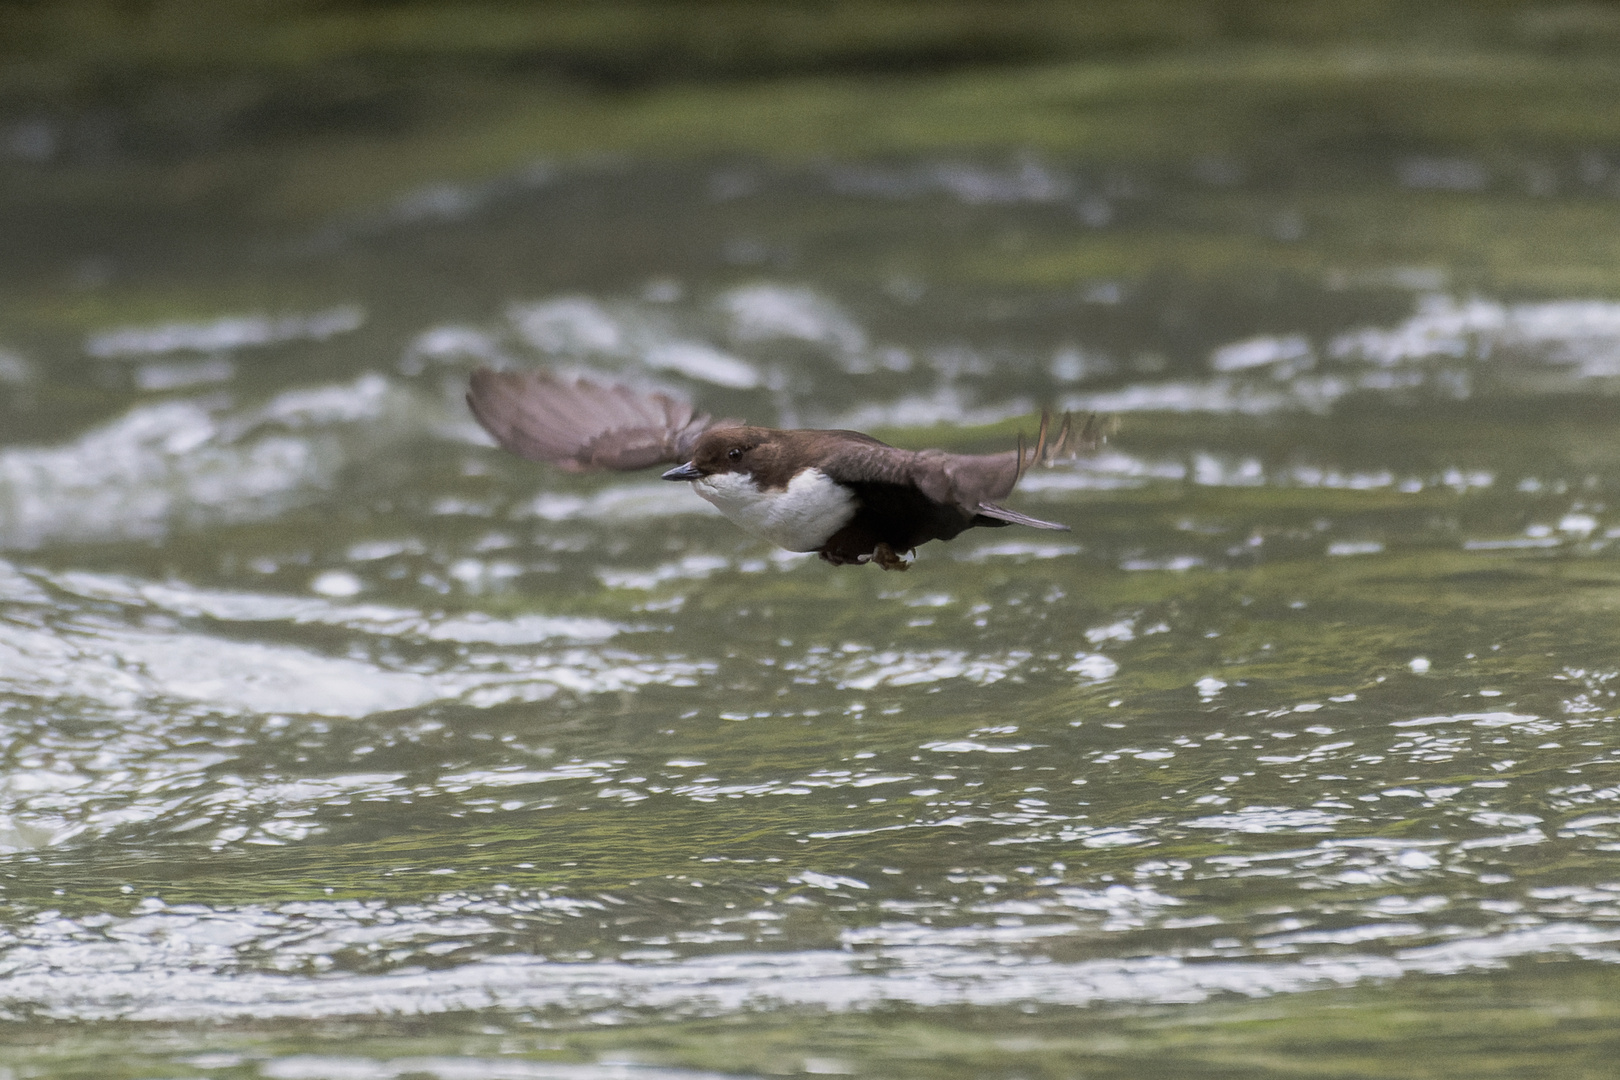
(582, 425)
(973, 483)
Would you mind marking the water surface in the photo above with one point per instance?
(338, 743)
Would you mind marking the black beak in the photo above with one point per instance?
(688, 471)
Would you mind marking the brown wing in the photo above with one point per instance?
(974, 483)
(582, 425)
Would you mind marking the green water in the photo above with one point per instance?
(339, 744)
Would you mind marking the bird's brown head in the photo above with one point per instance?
(724, 450)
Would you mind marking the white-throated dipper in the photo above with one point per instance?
(842, 494)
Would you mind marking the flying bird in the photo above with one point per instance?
(842, 494)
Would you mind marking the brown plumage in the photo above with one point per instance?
(581, 425)
(843, 494)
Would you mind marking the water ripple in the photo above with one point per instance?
(181, 964)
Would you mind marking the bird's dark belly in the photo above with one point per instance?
(899, 516)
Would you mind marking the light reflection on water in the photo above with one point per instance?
(183, 964)
(315, 706)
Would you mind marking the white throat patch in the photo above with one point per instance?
(801, 517)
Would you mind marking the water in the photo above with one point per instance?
(339, 744)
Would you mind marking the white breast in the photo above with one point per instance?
(801, 517)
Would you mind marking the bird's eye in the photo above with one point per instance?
(735, 453)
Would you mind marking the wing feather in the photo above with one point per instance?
(583, 425)
(974, 483)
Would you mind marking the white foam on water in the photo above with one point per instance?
(1121, 630)
(1582, 335)
(974, 746)
(620, 503)
(119, 667)
(1481, 719)
(13, 368)
(223, 334)
(1313, 476)
(127, 659)
(1174, 563)
(1094, 666)
(1223, 395)
(1260, 352)
(181, 374)
(1021, 550)
(1355, 547)
(195, 462)
(570, 326)
(1212, 471)
(1268, 819)
(691, 568)
(259, 677)
(470, 627)
(910, 668)
(367, 398)
(1440, 349)
(580, 328)
(702, 362)
(766, 312)
(448, 344)
(182, 964)
(856, 667)
(1106, 469)
(946, 404)
(340, 1067)
(1025, 181)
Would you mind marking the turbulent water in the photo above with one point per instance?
(387, 754)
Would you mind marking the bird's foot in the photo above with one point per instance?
(845, 550)
(886, 557)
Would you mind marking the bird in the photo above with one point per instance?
(842, 494)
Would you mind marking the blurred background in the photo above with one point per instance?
(336, 743)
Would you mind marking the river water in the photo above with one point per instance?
(338, 743)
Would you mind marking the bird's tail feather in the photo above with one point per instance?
(1013, 517)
